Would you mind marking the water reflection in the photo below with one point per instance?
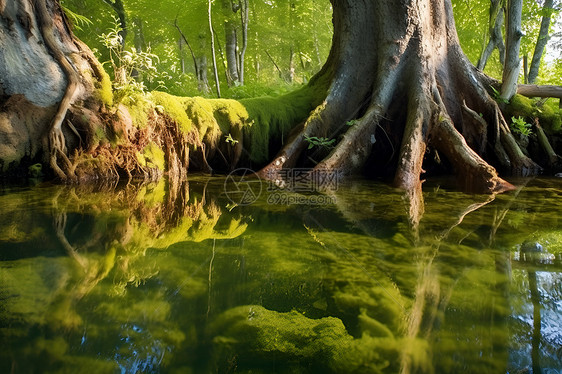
(171, 277)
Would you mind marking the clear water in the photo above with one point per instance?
(179, 279)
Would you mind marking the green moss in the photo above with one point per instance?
(201, 111)
(104, 89)
(138, 106)
(172, 106)
(152, 194)
(548, 114)
(262, 120)
(229, 113)
(521, 105)
(154, 156)
(272, 118)
(258, 333)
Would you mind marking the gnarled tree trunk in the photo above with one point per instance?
(43, 71)
(56, 106)
(397, 69)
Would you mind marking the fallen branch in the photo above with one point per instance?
(533, 90)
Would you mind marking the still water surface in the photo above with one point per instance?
(179, 279)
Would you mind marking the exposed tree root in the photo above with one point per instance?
(554, 160)
(56, 138)
(477, 174)
(414, 142)
(520, 164)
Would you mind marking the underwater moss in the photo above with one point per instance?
(257, 335)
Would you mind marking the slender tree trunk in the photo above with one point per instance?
(230, 8)
(291, 75)
(202, 79)
(140, 43)
(525, 69)
(495, 34)
(213, 54)
(512, 66)
(183, 39)
(202, 67)
(244, 19)
(541, 40)
(182, 58)
(231, 54)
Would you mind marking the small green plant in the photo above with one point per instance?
(352, 122)
(497, 96)
(77, 20)
(520, 126)
(230, 139)
(126, 63)
(319, 142)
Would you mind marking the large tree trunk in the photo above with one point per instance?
(398, 70)
(43, 70)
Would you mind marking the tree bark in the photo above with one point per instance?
(230, 8)
(512, 65)
(533, 90)
(542, 39)
(231, 54)
(57, 108)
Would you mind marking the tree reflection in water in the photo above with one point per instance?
(164, 277)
